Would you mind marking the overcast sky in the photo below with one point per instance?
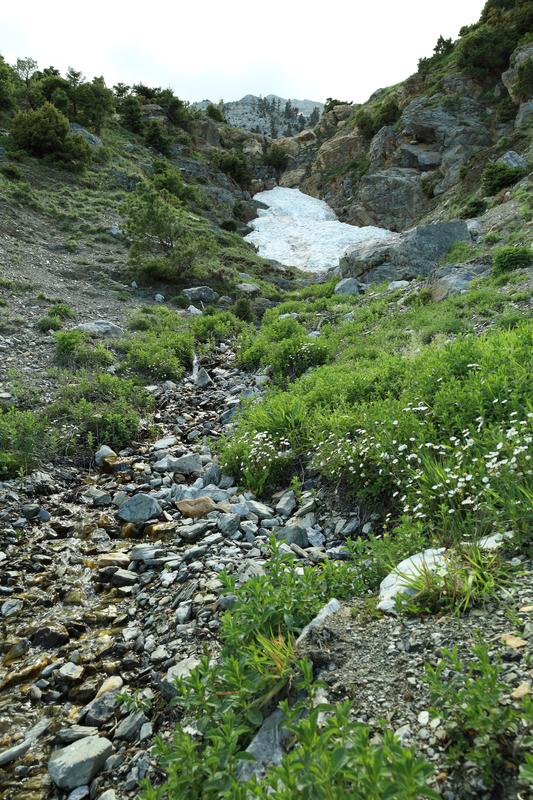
(215, 49)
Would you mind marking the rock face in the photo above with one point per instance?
(510, 77)
(391, 198)
(403, 256)
(77, 764)
(268, 115)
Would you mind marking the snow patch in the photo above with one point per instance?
(302, 231)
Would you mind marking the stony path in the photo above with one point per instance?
(107, 587)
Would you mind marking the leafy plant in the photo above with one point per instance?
(509, 258)
(481, 729)
(74, 349)
(497, 176)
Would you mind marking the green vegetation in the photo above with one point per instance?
(276, 157)
(233, 163)
(481, 725)
(74, 349)
(497, 176)
(228, 701)
(22, 441)
(509, 258)
(214, 113)
(45, 131)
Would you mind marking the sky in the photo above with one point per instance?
(211, 49)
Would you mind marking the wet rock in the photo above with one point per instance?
(50, 634)
(139, 508)
(78, 763)
(11, 608)
(71, 672)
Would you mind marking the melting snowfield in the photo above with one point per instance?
(301, 231)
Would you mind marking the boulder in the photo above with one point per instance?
(403, 256)
(250, 289)
(79, 762)
(382, 147)
(90, 138)
(419, 157)
(510, 77)
(185, 465)
(348, 286)
(396, 581)
(197, 508)
(525, 115)
(202, 294)
(454, 279)
(139, 508)
(100, 327)
(392, 198)
(339, 150)
(513, 160)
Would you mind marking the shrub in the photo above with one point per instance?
(524, 84)
(234, 164)
(7, 86)
(11, 172)
(276, 157)
(74, 349)
(497, 176)
(472, 208)
(22, 441)
(365, 122)
(46, 131)
(159, 356)
(131, 114)
(49, 323)
(244, 309)
(215, 113)
(509, 258)
(155, 137)
(386, 114)
(481, 725)
(485, 51)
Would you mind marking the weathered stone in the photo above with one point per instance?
(249, 288)
(79, 762)
(50, 634)
(130, 726)
(348, 286)
(228, 524)
(286, 504)
(391, 198)
(180, 670)
(454, 279)
(100, 327)
(139, 508)
(185, 465)
(103, 453)
(396, 582)
(199, 507)
(202, 294)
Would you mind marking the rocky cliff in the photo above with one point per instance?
(271, 115)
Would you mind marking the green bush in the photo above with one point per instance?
(276, 157)
(102, 408)
(244, 309)
(49, 323)
(485, 52)
(508, 258)
(46, 131)
(497, 176)
(215, 113)
(234, 164)
(131, 114)
(154, 136)
(524, 84)
(159, 356)
(75, 349)
(481, 725)
(22, 441)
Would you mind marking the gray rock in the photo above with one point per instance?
(201, 378)
(80, 793)
(101, 327)
(392, 198)
(139, 508)
(71, 672)
(331, 607)
(411, 254)
(109, 794)
(510, 77)
(293, 534)
(185, 465)
(250, 289)
(159, 298)
(514, 160)
(129, 728)
(90, 138)
(454, 279)
(348, 286)
(286, 504)
(180, 670)
(525, 115)
(228, 524)
(266, 747)
(11, 607)
(192, 311)
(419, 157)
(396, 581)
(79, 762)
(202, 294)
(259, 509)
(103, 453)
